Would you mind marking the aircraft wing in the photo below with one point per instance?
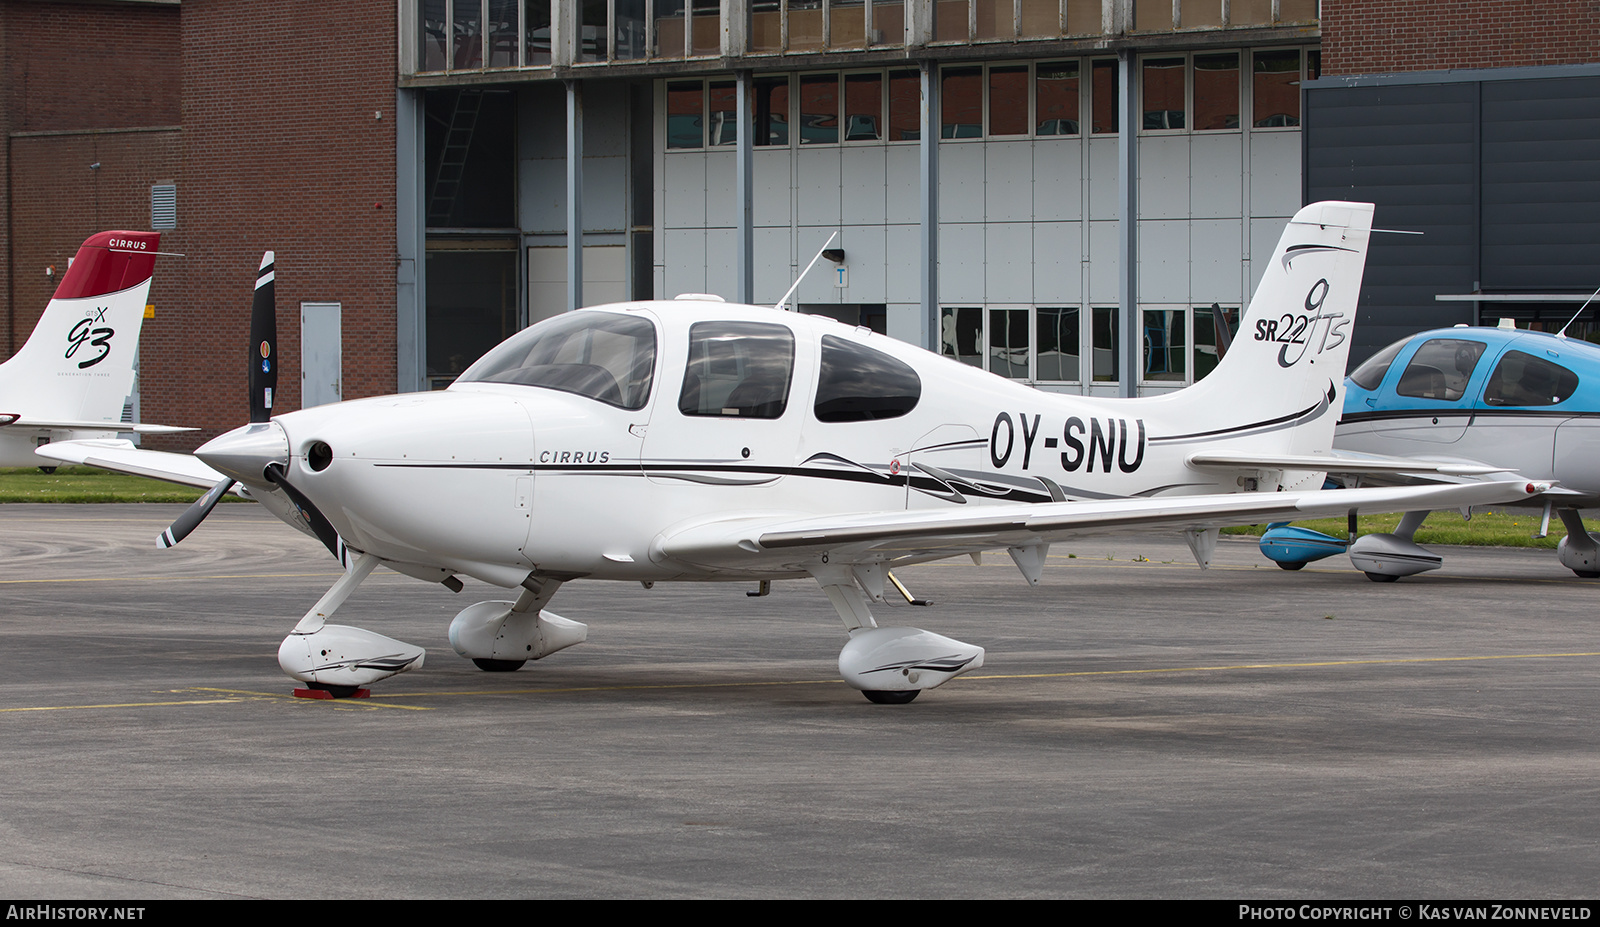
(1344, 463)
(71, 425)
(122, 457)
(753, 541)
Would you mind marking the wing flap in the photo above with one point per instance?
(1371, 463)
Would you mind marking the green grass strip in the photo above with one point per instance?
(90, 484)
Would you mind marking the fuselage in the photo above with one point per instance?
(571, 457)
(1523, 400)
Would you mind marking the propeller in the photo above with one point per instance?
(263, 342)
(263, 380)
(320, 526)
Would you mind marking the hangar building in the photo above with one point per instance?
(1056, 190)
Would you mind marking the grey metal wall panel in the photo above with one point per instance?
(1163, 261)
(1163, 177)
(1412, 150)
(862, 180)
(961, 182)
(904, 191)
(722, 195)
(773, 185)
(1541, 184)
(818, 188)
(1216, 162)
(1008, 262)
(1214, 246)
(684, 183)
(1008, 181)
(902, 252)
(1057, 263)
(1057, 179)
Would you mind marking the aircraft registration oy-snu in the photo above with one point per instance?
(695, 440)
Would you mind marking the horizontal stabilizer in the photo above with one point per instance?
(73, 425)
(122, 457)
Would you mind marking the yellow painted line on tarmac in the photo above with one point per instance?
(212, 701)
(614, 688)
(385, 700)
(1248, 666)
(146, 579)
(336, 702)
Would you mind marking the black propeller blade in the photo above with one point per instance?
(194, 514)
(263, 376)
(324, 529)
(264, 341)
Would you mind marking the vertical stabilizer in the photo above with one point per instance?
(78, 364)
(1279, 389)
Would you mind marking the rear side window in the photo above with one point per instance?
(1371, 371)
(738, 369)
(1524, 380)
(1441, 368)
(860, 384)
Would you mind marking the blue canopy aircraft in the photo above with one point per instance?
(1513, 400)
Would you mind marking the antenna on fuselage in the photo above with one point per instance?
(783, 303)
(1563, 332)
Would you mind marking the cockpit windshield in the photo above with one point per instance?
(605, 356)
(1371, 371)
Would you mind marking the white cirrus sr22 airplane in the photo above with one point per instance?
(71, 378)
(693, 440)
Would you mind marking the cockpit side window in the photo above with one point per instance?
(860, 384)
(1524, 380)
(601, 355)
(1441, 368)
(1371, 371)
(738, 369)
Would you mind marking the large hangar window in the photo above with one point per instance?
(778, 26)
(1178, 94)
(472, 303)
(470, 202)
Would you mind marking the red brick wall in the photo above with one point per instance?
(1382, 36)
(289, 145)
(57, 201)
(68, 71)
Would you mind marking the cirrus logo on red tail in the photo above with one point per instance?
(130, 244)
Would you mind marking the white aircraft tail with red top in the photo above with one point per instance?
(74, 374)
